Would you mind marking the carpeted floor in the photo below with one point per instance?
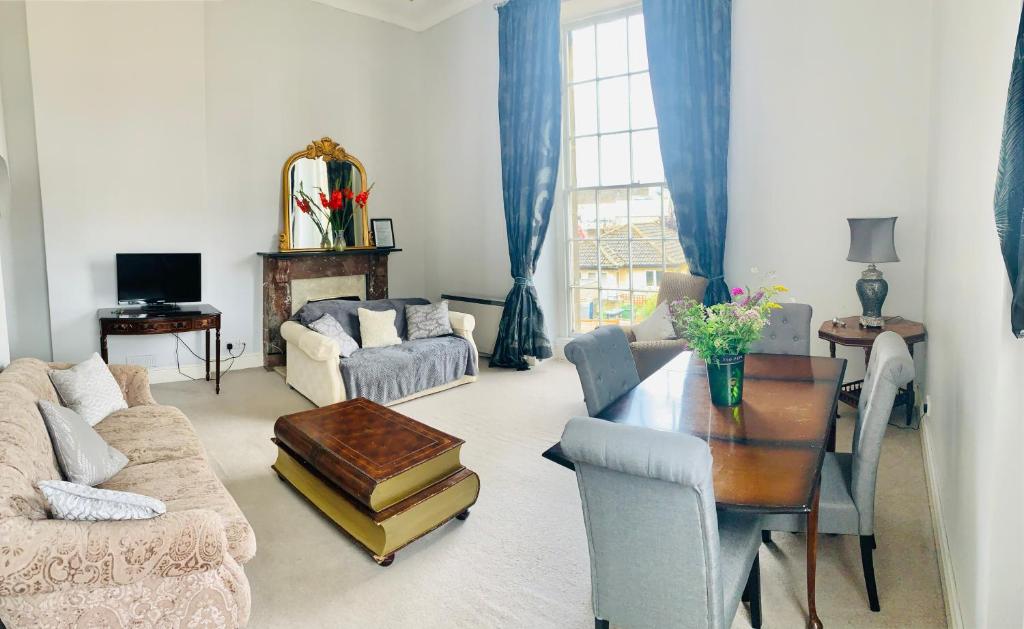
(520, 560)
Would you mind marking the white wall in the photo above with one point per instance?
(21, 222)
(974, 430)
(829, 120)
(5, 208)
(164, 126)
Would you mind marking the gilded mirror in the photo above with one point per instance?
(324, 196)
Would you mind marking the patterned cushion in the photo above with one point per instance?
(85, 458)
(428, 321)
(70, 501)
(656, 327)
(89, 389)
(329, 327)
(378, 328)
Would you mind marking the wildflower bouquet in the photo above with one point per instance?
(725, 329)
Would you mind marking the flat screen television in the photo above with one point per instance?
(159, 278)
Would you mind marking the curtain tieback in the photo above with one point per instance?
(523, 281)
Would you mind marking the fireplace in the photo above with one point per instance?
(290, 279)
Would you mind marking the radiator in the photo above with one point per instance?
(487, 312)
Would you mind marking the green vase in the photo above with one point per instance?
(725, 378)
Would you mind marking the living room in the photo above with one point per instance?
(161, 128)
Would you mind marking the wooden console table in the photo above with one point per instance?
(849, 333)
(135, 321)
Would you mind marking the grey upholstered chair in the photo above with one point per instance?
(604, 364)
(652, 355)
(848, 479)
(660, 554)
(788, 331)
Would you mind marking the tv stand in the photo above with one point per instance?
(159, 307)
(134, 321)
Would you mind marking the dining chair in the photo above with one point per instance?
(847, 502)
(604, 364)
(652, 355)
(660, 553)
(788, 331)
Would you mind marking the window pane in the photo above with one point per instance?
(584, 57)
(614, 159)
(645, 212)
(637, 44)
(613, 213)
(648, 258)
(584, 214)
(614, 256)
(613, 104)
(611, 48)
(646, 158)
(641, 102)
(674, 258)
(585, 155)
(614, 307)
(584, 265)
(584, 108)
(585, 309)
(643, 304)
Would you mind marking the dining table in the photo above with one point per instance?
(767, 451)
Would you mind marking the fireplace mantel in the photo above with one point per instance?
(280, 268)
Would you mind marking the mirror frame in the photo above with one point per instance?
(330, 151)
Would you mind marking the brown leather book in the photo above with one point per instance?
(374, 454)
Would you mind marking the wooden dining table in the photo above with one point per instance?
(767, 451)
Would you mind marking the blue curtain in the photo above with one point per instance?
(1009, 198)
(689, 50)
(530, 117)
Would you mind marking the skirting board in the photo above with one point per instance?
(954, 616)
(247, 360)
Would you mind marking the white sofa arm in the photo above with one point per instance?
(462, 322)
(313, 344)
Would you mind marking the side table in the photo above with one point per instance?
(849, 333)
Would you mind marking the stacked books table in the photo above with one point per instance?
(384, 478)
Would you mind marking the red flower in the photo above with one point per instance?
(303, 204)
(362, 198)
(336, 202)
(323, 199)
(348, 193)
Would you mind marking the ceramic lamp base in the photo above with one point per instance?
(872, 290)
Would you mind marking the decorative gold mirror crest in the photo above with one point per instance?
(323, 167)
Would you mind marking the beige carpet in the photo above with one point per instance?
(520, 560)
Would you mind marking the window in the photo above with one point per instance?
(622, 233)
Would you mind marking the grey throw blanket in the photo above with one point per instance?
(385, 374)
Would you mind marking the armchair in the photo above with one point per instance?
(652, 355)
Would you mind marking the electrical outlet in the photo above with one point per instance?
(230, 346)
(927, 407)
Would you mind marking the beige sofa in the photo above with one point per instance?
(313, 362)
(181, 569)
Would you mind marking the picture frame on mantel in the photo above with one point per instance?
(383, 233)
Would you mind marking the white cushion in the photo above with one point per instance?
(329, 327)
(656, 327)
(89, 389)
(69, 501)
(378, 328)
(84, 456)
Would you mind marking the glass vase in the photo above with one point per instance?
(725, 379)
(339, 240)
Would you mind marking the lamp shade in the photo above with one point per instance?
(872, 240)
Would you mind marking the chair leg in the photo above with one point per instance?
(766, 537)
(866, 545)
(600, 624)
(752, 593)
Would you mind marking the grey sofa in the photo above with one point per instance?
(660, 553)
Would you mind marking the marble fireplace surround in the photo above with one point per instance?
(290, 279)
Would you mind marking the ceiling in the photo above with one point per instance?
(416, 15)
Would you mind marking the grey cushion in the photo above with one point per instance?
(848, 480)
(347, 313)
(69, 501)
(89, 389)
(329, 327)
(84, 456)
(427, 321)
(788, 331)
(669, 559)
(604, 364)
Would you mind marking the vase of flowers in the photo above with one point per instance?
(722, 334)
(333, 215)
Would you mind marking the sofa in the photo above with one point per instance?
(180, 569)
(316, 371)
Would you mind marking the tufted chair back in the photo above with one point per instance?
(655, 562)
(605, 366)
(891, 366)
(788, 331)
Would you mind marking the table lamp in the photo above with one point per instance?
(872, 241)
